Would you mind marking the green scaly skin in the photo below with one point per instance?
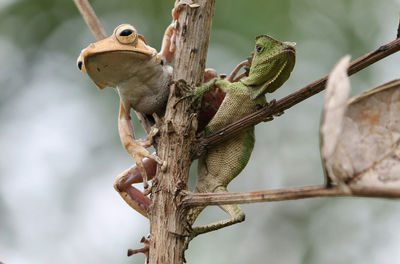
(271, 66)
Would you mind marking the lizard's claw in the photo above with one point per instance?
(184, 86)
(190, 92)
(272, 103)
(188, 234)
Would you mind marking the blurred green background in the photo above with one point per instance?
(60, 149)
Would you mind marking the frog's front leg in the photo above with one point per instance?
(137, 149)
(168, 43)
(167, 48)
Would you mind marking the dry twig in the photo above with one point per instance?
(197, 199)
(91, 19)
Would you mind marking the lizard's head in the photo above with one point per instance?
(271, 65)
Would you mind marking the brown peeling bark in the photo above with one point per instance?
(177, 132)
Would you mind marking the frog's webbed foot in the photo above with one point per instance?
(144, 250)
(148, 140)
(175, 16)
(136, 148)
(138, 152)
(141, 152)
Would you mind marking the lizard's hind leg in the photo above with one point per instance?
(237, 216)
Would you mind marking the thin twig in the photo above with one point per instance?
(91, 19)
(398, 29)
(203, 199)
(294, 98)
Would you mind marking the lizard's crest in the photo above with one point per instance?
(271, 65)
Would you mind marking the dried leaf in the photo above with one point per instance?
(336, 96)
(367, 153)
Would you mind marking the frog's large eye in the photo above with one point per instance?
(126, 34)
(259, 48)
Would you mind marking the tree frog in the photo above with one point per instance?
(142, 78)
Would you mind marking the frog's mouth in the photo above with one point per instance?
(109, 69)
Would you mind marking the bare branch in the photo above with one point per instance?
(91, 19)
(203, 199)
(294, 98)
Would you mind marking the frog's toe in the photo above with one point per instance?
(144, 250)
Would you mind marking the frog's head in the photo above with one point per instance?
(271, 65)
(115, 59)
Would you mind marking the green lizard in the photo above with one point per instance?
(271, 66)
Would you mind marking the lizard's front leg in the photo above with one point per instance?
(137, 149)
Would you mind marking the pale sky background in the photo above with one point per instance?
(61, 149)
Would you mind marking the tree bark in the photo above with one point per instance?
(177, 134)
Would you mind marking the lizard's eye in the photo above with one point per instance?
(126, 34)
(259, 48)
